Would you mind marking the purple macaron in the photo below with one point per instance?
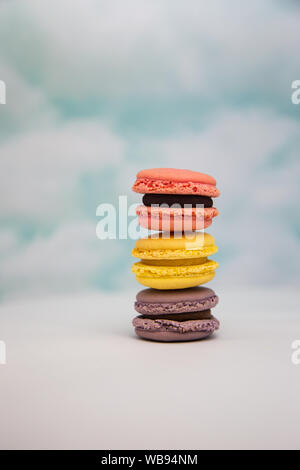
(153, 302)
(175, 315)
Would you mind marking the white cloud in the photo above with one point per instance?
(116, 48)
(40, 169)
(40, 172)
(8, 243)
(231, 146)
(27, 106)
(66, 260)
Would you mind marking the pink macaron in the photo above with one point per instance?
(175, 200)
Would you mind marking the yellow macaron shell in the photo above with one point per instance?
(196, 245)
(171, 283)
(174, 277)
(148, 270)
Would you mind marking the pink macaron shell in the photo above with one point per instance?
(174, 181)
(174, 225)
(175, 174)
(174, 220)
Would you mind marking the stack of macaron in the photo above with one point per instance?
(174, 261)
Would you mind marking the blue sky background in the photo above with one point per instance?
(97, 90)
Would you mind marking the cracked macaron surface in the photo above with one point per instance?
(208, 324)
(163, 329)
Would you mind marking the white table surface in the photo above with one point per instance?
(77, 378)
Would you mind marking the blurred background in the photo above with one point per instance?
(98, 89)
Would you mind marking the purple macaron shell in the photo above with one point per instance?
(171, 330)
(171, 336)
(154, 302)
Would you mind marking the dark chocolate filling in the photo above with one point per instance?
(204, 315)
(178, 199)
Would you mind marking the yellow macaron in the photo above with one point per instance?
(175, 263)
